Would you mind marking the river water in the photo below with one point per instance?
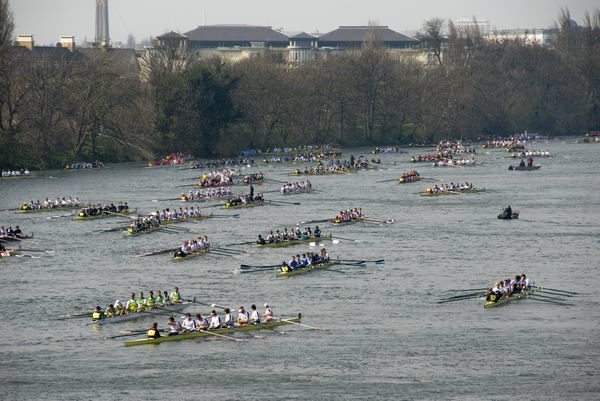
(387, 338)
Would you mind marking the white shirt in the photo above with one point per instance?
(255, 316)
(175, 327)
(215, 322)
(243, 316)
(203, 323)
(228, 319)
(189, 324)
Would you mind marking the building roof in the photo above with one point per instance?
(303, 35)
(236, 33)
(171, 35)
(359, 34)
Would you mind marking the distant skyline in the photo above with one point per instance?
(49, 19)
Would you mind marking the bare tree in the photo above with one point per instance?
(434, 38)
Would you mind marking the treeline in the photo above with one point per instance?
(87, 108)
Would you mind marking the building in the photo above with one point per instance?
(544, 37)
(238, 42)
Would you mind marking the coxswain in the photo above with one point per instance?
(243, 317)
(508, 212)
(153, 331)
(268, 315)
(175, 326)
(188, 323)
(530, 162)
(98, 314)
(228, 319)
(260, 240)
(201, 323)
(176, 296)
(254, 315)
(522, 163)
(215, 320)
(491, 296)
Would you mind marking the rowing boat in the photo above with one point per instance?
(10, 252)
(296, 191)
(308, 269)
(332, 172)
(130, 231)
(515, 215)
(204, 334)
(136, 315)
(244, 205)
(526, 168)
(283, 244)
(347, 222)
(86, 169)
(177, 258)
(48, 209)
(15, 177)
(456, 192)
(504, 301)
(407, 181)
(105, 215)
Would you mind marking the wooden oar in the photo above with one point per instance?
(469, 289)
(300, 324)
(129, 216)
(315, 221)
(37, 250)
(464, 295)
(285, 203)
(546, 296)
(155, 253)
(196, 302)
(550, 302)
(75, 315)
(245, 267)
(224, 336)
(378, 261)
(393, 179)
(345, 239)
(554, 289)
(241, 243)
(460, 299)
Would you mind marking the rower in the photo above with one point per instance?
(228, 319)
(201, 323)
(150, 301)
(188, 323)
(132, 305)
(215, 320)
(268, 315)
(153, 331)
(141, 301)
(98, 314)
(119, 308)
(254, 315)
(110, 311)
(175, 326)
(243, 317)
(176, 296)
(166, 298)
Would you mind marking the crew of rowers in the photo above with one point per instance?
(505, 289)
(244, 199)
(452, 187)
(307, 157)
(253, 178)
(138, 304)
(455, 147)
(213, 322)
(428, 158)
(305, 260)
(337, 166)
(292, 234)
(16, 173)
(508, 143)
(98, 210)
(409, 177)
(221, 163)
(218, 178)
(192, 246)
(450, 162)
(386, 149)
(299, 186)
(50, 204)
(10, 232)
(349, 215)
(79, 166)
(222, 192)
(528, 153)
(172, 159)
(157, 218)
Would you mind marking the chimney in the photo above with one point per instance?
(68, 42)
(25, 41)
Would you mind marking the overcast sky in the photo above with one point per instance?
(49, 19)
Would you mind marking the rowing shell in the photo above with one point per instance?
(162, 224)
(526, 168)
(346, 222)
(136, 315)
(308, 269)
(457, 192)
(241, 206)
(283, 244)
(10, 252)
(193, 254)
(203, 334)
(105, 215)
(48, 209)
(515, 297)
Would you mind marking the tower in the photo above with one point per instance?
(102, 38)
